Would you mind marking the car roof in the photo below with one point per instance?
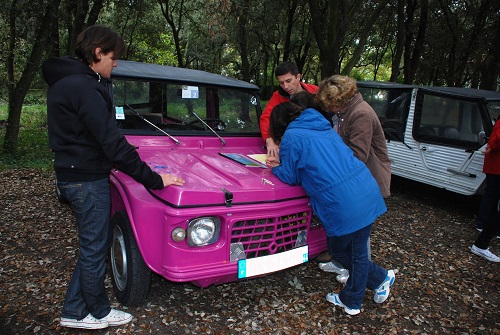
(154, 72)
(456, 91)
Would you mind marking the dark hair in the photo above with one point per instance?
(280, 118)
(304, 99)
(286, 67)
(98, 37)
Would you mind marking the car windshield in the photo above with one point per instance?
(184, 109)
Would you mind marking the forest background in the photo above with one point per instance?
(428, 42)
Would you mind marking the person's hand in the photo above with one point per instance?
(169, 179)
(273, 150)
(272, 161)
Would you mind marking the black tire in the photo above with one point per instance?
(130, 275)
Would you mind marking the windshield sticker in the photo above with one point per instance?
(190, 92)
(119, 114)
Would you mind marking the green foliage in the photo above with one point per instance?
(33, 147)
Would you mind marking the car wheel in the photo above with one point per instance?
(131, 276)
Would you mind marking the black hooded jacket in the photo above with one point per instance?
(82, 129)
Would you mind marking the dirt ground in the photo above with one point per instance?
(440, 288)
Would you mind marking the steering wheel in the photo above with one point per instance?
(214, 123)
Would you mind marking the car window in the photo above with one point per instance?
(391, 106)
(447, 120)
(176, 107)
(494, 110)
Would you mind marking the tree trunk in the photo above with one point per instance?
(326, 25)
(418, 47)
(490, 69)
(18, 90)
(366, 31)
(175, 26)
(400, 41)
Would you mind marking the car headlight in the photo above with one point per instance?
(203, 231)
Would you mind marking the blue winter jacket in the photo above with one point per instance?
(343, 193)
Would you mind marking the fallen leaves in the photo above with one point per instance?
(440, 288)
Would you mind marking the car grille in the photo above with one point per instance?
(269, 236)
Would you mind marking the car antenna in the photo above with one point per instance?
(152, 124)
(213, 131)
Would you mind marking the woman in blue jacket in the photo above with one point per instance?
(343, 194)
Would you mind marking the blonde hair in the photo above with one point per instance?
(335, 92)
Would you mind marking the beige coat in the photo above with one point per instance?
(362, 131)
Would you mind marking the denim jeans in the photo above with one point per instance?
(91, 203)
(489, 200)
(351, 251)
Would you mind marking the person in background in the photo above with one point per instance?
(87, 144)
(342, 192)
(491, 168)
(289, 78)
(360, 128)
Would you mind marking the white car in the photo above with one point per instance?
(435, 135)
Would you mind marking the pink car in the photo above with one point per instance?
(233, 219)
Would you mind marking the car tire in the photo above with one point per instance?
(130, 275)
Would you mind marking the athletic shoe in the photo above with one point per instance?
(485, 253)
(334, 299)
(332, 267)
(382, 292)
(116, 318)
(342, 278)
(88, 322)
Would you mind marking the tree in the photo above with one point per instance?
(174, 13)
(400, 40)
(25, 25)
(490, 68)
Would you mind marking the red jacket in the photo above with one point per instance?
(492, 154)
(278, 97)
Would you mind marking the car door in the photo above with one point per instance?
(447, 130)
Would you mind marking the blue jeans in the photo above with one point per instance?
(489, 200)
(91, 203)
(351, 251)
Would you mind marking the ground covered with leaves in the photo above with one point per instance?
(440, 288)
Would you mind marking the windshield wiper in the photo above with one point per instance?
(206, 125)
(152, 124)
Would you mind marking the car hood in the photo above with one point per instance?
(212, 179)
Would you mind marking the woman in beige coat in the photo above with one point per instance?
(358, 125)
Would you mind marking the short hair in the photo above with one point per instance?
(336, 92)
(281, 116)
(286, 67)
(304, 99)
(98, 36)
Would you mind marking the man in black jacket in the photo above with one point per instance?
(87, 145)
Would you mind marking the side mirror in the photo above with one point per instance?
(482, 138)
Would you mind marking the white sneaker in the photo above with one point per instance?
(116, 318)
(334, 299)
(332, 267)
(382, 292)
(485, 253)
(343, 277)
(88, 322)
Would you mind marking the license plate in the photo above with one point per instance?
(271, 263)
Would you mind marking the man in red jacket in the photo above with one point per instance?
(491, 195)
(290, 82)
